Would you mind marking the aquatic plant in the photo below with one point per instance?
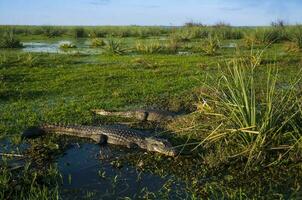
(67, 45)
(9, 40)
(31, 184)
(114, 47)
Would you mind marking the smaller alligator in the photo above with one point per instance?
(117, 135)
(143, 115)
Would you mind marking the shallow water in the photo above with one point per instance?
(83, 171)
(84, 174)
(83, 46)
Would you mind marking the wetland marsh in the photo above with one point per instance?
(240, 88)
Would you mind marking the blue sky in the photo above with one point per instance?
(148, 12)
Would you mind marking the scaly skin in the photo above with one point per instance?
(143, 115)
(113, 135)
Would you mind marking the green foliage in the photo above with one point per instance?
(29, 184)
(256, 129)
(97, 42)
(210, 45)
(150, 47)
(114, 47)
(271, 35)
(296, 36)
(28, 60)
(9, 40)
(51, 31)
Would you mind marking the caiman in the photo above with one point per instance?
(140, 114)
(116, 135)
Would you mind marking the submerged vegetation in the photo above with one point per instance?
(240, 136)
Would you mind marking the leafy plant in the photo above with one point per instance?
(114, 47)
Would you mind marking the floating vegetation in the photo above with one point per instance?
(67, 45)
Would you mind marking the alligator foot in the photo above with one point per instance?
(105, 152)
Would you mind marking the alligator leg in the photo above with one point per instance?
(105, 152)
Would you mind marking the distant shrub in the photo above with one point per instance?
(222, 24)
(50, 31)
(79, 32)
(193, 24)
(9, 40)
(278, 23)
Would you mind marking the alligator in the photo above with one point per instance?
(143, 115)
(117, 135)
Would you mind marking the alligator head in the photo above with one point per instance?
(160, 146)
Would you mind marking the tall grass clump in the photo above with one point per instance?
(210, 45)
(97, 42)
(9, 40)
(271, 35)
(260, 125)
(150, 47)
(295, 43)
(114, 47)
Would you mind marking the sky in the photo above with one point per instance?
(148, 12)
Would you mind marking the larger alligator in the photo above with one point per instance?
(117, 135)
